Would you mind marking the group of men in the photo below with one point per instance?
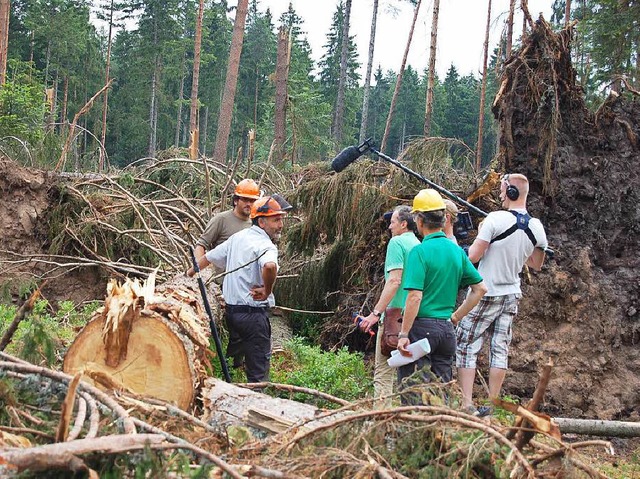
(422, 281)
(242, 242)
(423, 278)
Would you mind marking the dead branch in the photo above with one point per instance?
(67, 409)
(26, 430)
(63, 455)
(295, 389)
(79, 421)
(127, 423)
(21, 314)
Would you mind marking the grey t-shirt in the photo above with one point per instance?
(220, 228)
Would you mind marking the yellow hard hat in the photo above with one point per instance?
(428, 200)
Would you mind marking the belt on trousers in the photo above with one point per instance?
(243, 308)
(432, 319)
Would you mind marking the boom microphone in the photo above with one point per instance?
(348, 156)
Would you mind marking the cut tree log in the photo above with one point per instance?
(232, 405)
(596, 427)
(148, 340)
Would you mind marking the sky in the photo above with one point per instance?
(461, 30)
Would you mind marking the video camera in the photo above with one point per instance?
(463, 225)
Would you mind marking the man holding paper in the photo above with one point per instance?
(436, 269)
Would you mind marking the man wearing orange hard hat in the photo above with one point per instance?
(225, 224)
(250, 258)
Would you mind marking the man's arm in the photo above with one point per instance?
(203, 262)
(269, 274)
(411, 308)
(199, 251)
(478, 290)
(536, 259)
(388, 292)
(478, 249)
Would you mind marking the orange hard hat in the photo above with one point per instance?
(247, 188)
(266, 206)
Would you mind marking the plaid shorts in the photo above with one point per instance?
(492, 317)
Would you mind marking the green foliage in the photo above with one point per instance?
(42, 334)
(22, 106)
(149, 463)
(339, 373)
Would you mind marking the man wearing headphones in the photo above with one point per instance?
(506, 241)
(250, 258)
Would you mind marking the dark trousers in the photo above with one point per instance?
(250, 338)
(439, 362)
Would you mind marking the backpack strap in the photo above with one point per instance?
(522, 223)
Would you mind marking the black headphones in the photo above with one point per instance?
(513, 193)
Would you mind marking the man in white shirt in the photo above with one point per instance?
(250, 258)
(506, 241)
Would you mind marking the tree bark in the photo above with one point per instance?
(338, 116)
(176, 141)
(5, 9)
(226, 108)
(396, 91)
(105, 103)
(153, 108)
(367, 78)
(596, 427)
(282, 70)
(512, 8)
(483, 90)
(193, 117)
(567, 12)
(432, 68)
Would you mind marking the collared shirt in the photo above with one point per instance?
(438, 268)
(244, 254)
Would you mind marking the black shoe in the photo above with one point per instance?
(483, 411)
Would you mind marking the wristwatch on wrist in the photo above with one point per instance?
(376, 313)
(403, 335)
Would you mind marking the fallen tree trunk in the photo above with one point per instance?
(228, 404)
(148, 340)
(596, 427)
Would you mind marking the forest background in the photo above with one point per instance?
(55, 47)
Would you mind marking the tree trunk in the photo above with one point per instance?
(338, 116)
(65, 100)
(105, 103)
(176, 141)
(367, 78)
(149, 340)
(567, 12)
(512, 8)
(596, 427)
(483, 90)
(153, 111)
(5, 9)
(226, 108)
(394, 99)
(193, 117)
(282, 69)
(432, 69)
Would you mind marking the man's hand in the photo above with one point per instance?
(367, 323)
(259, 293)
(403, 343)
(190, 272)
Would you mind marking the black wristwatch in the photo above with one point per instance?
(376, 313)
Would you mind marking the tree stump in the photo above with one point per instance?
(150, 341)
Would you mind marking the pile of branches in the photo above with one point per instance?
(355, 440)
(146, 215)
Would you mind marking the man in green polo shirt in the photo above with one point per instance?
(436, 270)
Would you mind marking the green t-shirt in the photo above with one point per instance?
(438, 267)
(397, 256)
